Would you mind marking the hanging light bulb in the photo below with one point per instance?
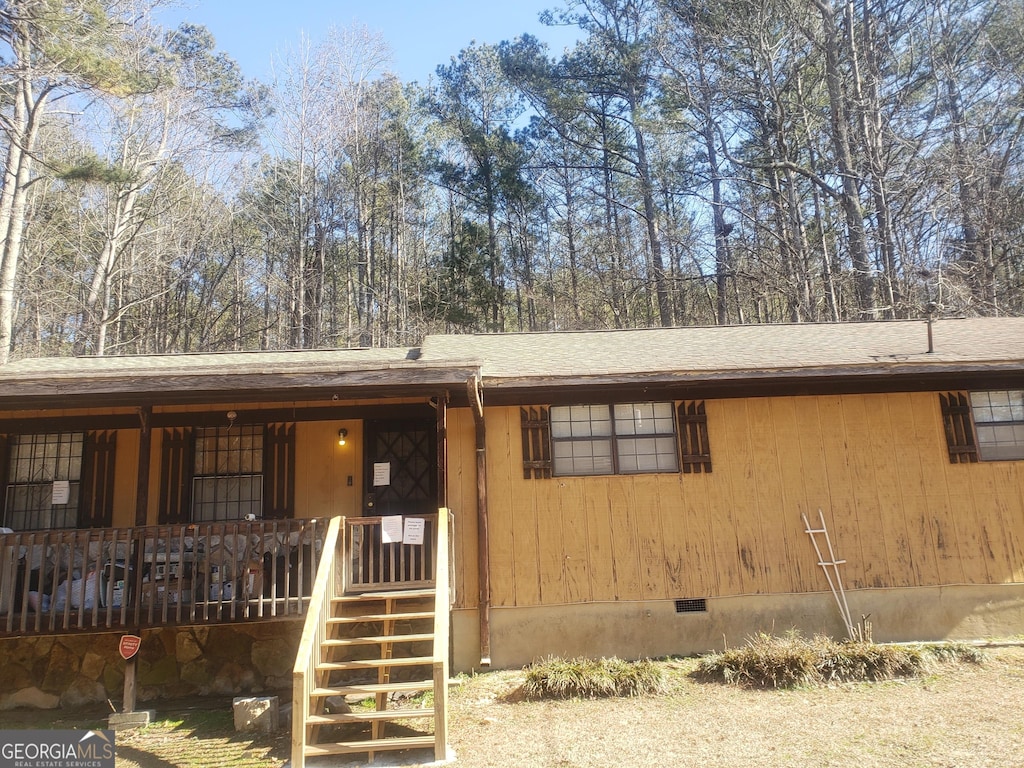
(342, 434)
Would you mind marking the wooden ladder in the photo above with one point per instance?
(830, 566)
(377, 645)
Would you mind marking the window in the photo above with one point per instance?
(40, 466)
(227, 482)
(999, 423)
(625, 438)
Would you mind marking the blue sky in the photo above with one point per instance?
(421, 33)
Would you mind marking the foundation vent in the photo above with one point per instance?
(692, 605)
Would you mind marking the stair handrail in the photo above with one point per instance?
(327, 585)
(442, 608)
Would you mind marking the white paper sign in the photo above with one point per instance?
(391, 529)
(61, 491)
(413, 530)
(382, 473)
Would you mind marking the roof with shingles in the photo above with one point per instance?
(223, 362)
(524, 361)
(312, 374)
(737, 349)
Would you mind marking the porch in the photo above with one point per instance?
(128, 579)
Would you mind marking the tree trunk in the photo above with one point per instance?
(849, 199)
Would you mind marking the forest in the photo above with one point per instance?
(687, 162)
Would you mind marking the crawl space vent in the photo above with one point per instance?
(692, 605)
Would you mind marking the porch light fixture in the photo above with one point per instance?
(342, 434)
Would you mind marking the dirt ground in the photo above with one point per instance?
(965, 716)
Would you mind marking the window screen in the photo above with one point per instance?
(999, 423)
(625, 438)
(227, 483)
(44, 479)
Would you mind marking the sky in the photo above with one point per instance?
(421, 33)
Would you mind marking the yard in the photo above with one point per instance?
(963, 715)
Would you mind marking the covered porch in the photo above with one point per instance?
(195, 490)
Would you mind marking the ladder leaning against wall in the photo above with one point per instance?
(830, 565)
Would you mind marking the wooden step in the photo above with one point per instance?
(398, 661)
(380, 617)
(372, 688)
(368, 716)
(402, 594)
(347, 641)
(372, 745)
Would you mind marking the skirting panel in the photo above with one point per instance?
(641, 629)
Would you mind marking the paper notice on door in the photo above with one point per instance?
(382, 473)
(391, 529)
(61, 492)
(413, 530)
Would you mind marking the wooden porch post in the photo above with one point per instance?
(145, 446)
(442, 450)
(483, 544)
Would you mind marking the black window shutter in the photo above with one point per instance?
(96, 501)
(279, 471)
(536, 427)
(959, 426)
(177, 464)
(694, 445)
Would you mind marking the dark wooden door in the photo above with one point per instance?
(405, 454)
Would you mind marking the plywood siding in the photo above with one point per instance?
(876, 465)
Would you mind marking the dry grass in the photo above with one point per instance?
(955, 715)
(558, 678)
(769, 661)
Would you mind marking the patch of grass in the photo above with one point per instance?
(955, 652)
(767, 661)
(558, 678)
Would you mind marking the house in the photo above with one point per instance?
(645, 490)
(636, 493)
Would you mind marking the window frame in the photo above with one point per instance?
(67, 466)
(615, 439)
(1011, 450)
(223, 466)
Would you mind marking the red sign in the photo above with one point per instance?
(129, 646)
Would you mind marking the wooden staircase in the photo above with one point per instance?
(372, 671)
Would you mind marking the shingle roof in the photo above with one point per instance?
(739, 349)
(42, 382)
(521, 361)
(222, 362)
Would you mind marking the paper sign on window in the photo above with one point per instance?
(61, 492)
(413, 530)
(391, 529)
(382, 473)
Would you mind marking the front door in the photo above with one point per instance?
(400, 467)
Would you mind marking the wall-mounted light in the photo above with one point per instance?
(231, 418)
(342, 434)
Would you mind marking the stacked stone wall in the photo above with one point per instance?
(173, 662)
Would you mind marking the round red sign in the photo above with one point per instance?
(129, 646)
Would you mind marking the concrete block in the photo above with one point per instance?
(122, 721)
(257, 713)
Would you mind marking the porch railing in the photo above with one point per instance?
(358, 548)
(395, 552)
(66, 581)
(315, 632)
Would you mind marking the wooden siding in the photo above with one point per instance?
(323, 468)
(900, 513)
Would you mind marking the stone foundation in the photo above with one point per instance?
(75, 670)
